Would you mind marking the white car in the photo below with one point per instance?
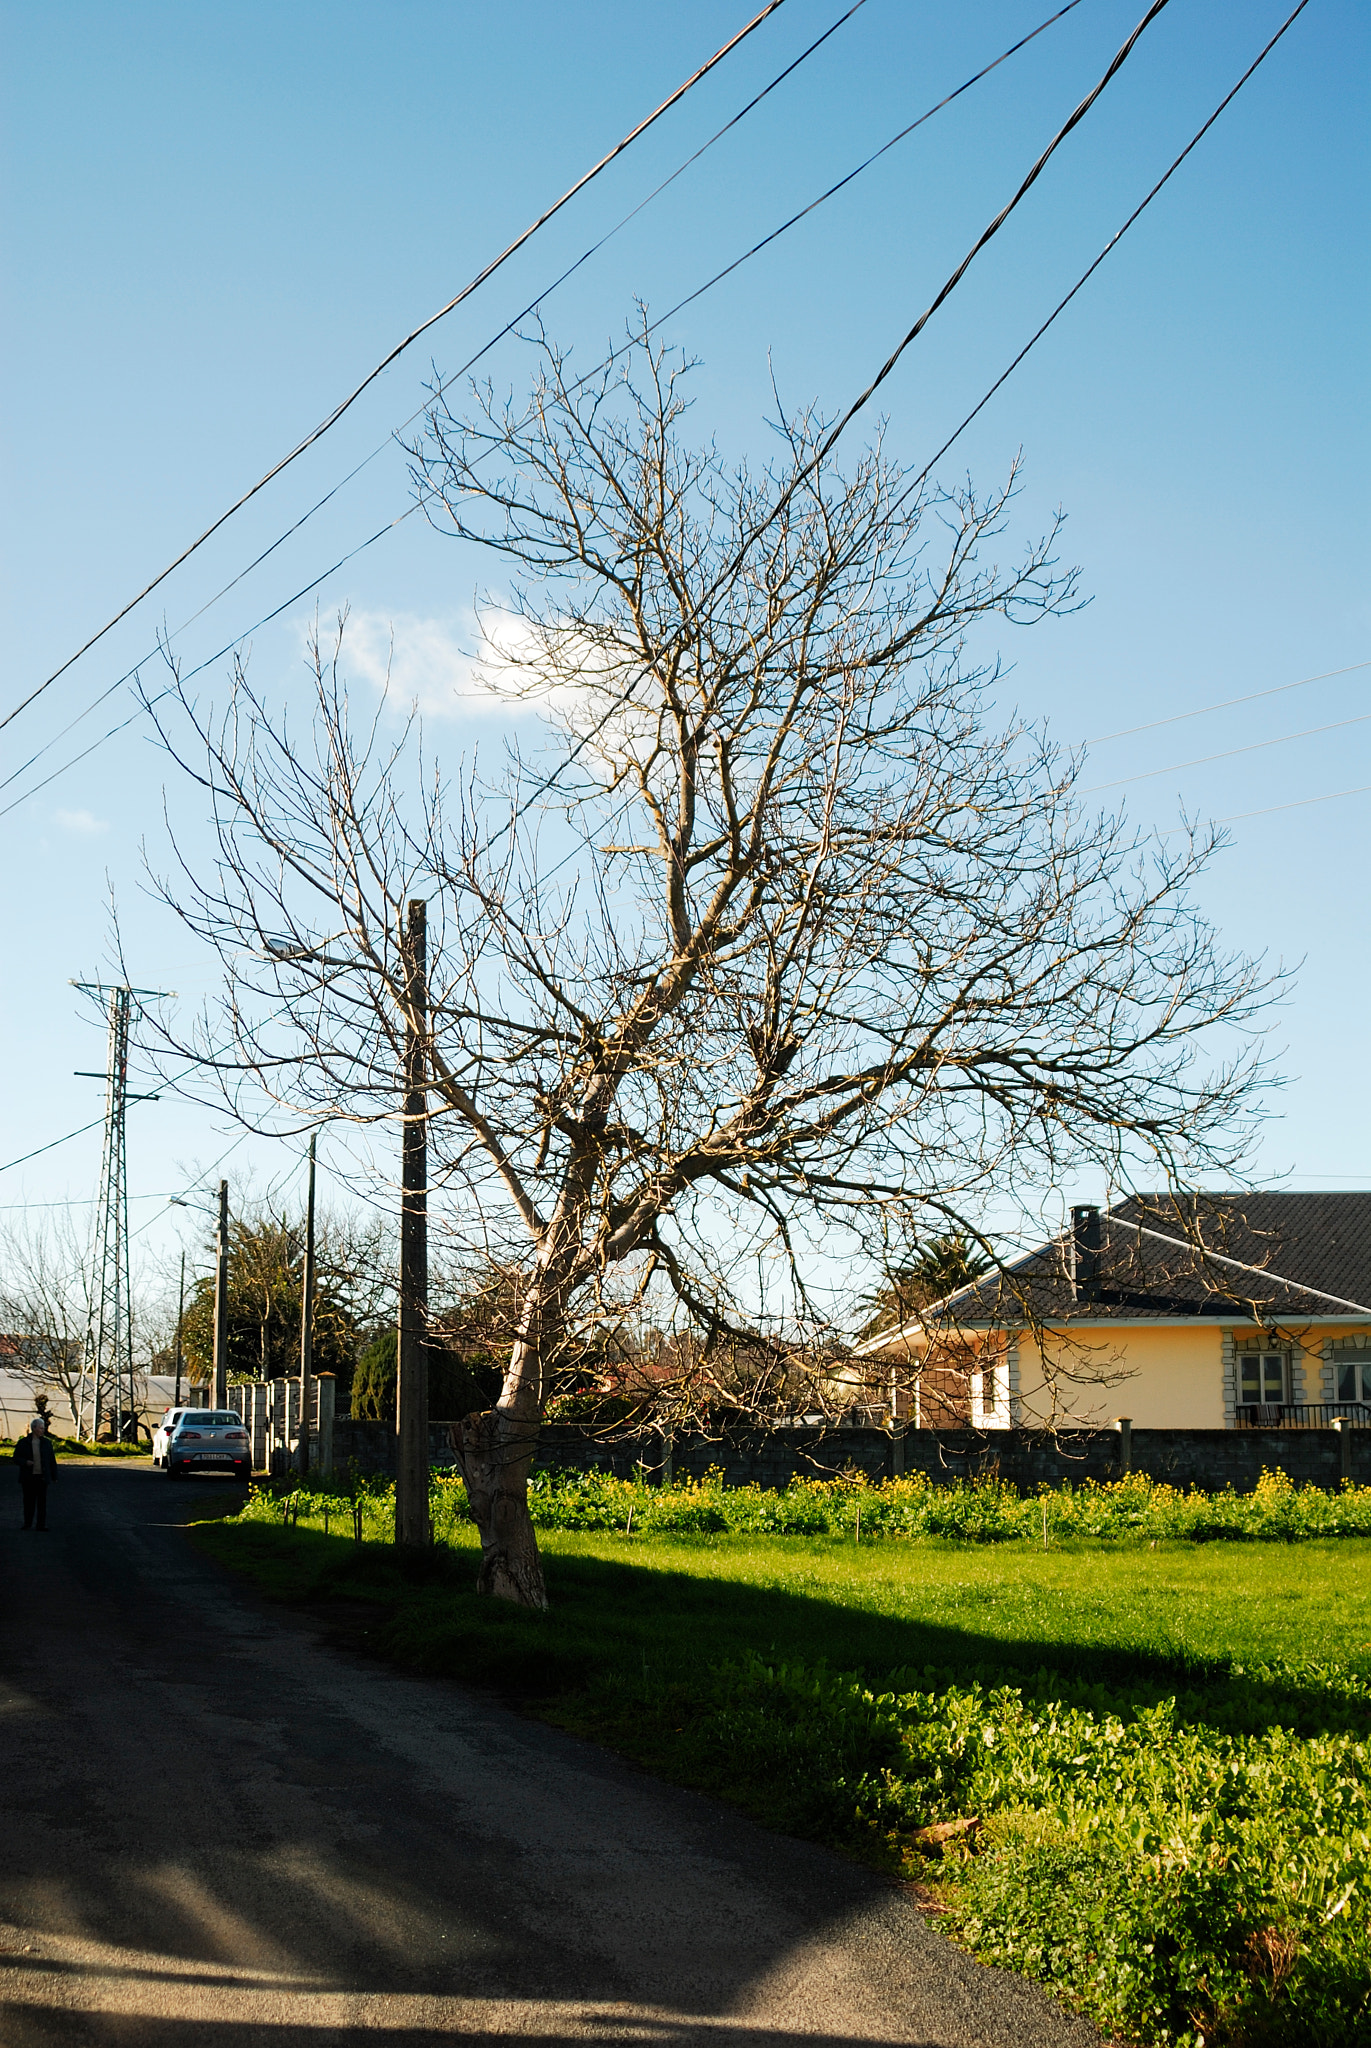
(162, 1434)
(207, 1440)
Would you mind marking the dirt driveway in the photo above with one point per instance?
(219, 1831)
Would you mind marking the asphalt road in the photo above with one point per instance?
(220, 1831)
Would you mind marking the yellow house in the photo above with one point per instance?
(1180, 1312)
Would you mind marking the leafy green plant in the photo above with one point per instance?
(982, 1511)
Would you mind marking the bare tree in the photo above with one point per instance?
(772, 951)
(44, 1308)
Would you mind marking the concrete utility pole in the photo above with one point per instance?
(180, 1324)
(307, 1319)
(221, 1281)
(411, 1377)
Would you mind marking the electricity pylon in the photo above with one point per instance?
(107, 1364)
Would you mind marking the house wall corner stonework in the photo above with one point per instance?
(1357, 1343)
(1011, 1379)
(1230, 1378)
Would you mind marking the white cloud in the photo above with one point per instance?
(492, 661)
(80, 821)
(444, 666)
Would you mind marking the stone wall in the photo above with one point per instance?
(1207, 1458)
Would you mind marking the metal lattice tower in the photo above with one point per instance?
(107, 1366)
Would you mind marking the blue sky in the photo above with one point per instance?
(215, 219)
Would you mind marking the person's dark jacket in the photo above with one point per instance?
(46, 1467)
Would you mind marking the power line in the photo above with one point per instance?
(831, 438)
(987, 234)
(1299, 804)
(969, 417)
(1228, 703)
(331, 419)
(446, 382)
(52, 1146)
(442, 385)
(1031, 343)
(191, 1186)
(1108, 248)
(1229, 753)
(209, 660)
(848, 178)
(82, 1201)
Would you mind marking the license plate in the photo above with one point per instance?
(212, 1458)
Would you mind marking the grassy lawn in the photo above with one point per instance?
(1145, 1769)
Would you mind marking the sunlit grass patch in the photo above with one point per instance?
(1135, 1767)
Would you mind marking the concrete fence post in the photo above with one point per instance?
(1344, 1429)
(1124, 1425)
(325, 1390)
(278, 1432)
(291, 1389)
(667, 1448)
(258, 1395)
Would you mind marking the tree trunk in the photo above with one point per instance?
(495, 1451)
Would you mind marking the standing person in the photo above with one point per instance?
(37, 1462)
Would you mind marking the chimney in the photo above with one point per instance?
(1086, 1235)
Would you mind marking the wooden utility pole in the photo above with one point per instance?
(221, 1281)
(307, 1320)
(411, 1377)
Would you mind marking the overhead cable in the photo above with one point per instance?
(24, 1157)
(987, 235)
(470, 364)
(865, 165)
(1037, 336)
(331, 419)
(830, 440)
(1299, 804)
(1031, 343)
(1230, 753)
(1111, 244)
(208, 662)
(445, 383)
(1227, 704)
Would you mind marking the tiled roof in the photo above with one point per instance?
(1297, 1257)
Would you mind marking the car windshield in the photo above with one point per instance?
(210, 1419)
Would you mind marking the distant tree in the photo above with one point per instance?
(937, 1269)
(265, 1298)
(44, 1309)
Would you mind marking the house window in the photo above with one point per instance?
(1262, 1378)
(1354, 1379)
(989, 1393)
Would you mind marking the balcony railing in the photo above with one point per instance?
(1302, 1414)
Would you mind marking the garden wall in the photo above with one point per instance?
(1207, 1458)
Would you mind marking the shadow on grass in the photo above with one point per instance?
(658, 1633)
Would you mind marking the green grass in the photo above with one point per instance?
(74, 1447)
(1163, 1748)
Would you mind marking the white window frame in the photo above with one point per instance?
(990, 1394)
(1265, 1360)
(1353, 1368)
